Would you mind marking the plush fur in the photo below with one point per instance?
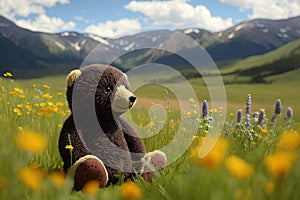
(116, 129)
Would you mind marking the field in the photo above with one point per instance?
(248, 162)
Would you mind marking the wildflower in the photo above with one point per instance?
(59, 125)
(278, 108)
(28, 107)
(264, 130)
(20, 105)
(192, 100)
(269, 186)
(42, 104)
(248, 104)
(57, 178)
(238, 167)
(214, 158)
(261, 116)
(289, 113)
(46, 86)
(231, 114)
(19, 90)
(70, 147)
(33, 85)
(47, 111)
(47, 96)
(130, 190)
(91, 187)
(280, 163)
(8, 74)
(20, 128)
(30, 141)
(239, 116)
(59, 103)
(31, 177)
(13, 93)
(59, 93)
(289, 140)
(17, 111)
(22, 96)
(205, 109)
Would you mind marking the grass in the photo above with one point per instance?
(265, 158)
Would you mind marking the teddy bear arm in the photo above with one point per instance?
(70, 144)
(134, 142)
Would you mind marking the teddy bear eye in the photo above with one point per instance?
(108, 88)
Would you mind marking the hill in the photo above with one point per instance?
(34, 54)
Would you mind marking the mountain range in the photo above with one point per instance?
(34, 54)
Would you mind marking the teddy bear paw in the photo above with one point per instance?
(89, 168)
(153, 161)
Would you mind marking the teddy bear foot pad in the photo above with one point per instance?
(89, 169)
(153, 161)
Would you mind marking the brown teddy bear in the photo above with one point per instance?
(103, 143)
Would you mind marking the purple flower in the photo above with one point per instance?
(278, 107)
(248, 104)
(261, 116)
(289, 112)
(205, 109)
(273, 118)
(239, 116)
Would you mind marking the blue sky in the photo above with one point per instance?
(115, 17)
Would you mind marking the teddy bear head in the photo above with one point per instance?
(104, 86)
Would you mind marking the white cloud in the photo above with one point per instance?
(116, 28)
(270, 9)
(179, 14)
(44, 23)
(23, 8)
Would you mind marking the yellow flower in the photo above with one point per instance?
(264, 130)
(289, 140)
(231, 114)
(20, 128)
(57, 178)
(59, 93)
(269, 186)
(59, 125)
(19, 90)
(30, 141)
(22, 96)
(31, 177)
(46, 86)
(20, 105)
(42, 104)
(47, 96)
(45, 111)
(130, 190)
(91, 187)
(50, 103)
(70, 147)
(13, 93)
(7, 74)
(17, 111)
(280, 163)
(192, 100)
(214, 158)
(28, 107)
(33, 85)
(238, 167)
(59, 103)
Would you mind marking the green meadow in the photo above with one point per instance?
(248, 162)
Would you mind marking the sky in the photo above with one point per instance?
(113, 18)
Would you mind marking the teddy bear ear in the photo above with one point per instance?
(72, 76)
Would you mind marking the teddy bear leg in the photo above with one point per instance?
(89, 168)
(153, 161)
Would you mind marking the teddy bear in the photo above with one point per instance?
(102, 144)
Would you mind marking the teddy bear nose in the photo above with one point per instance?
(132, 99)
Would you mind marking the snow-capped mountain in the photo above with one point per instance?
(23, 49)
